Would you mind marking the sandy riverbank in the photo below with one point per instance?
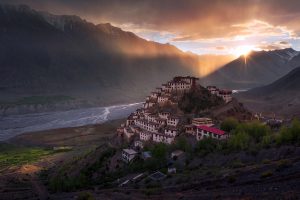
(88, 135)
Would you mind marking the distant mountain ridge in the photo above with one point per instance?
(289, 82)
(280, 97)
(256, 69)
(50, 54)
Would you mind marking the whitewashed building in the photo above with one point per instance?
(162, 99)
(164, 114)
(213, 90)
(160, 137)
(226, 95)
(128, 155)
(171, 131)
(202, 121)
(145, 135)
(205, 132)
(173, 121)
(128, 132)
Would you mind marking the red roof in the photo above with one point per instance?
(212, 130)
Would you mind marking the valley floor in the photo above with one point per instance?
(22, 179)
(282, 106)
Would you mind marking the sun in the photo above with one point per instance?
(242, 50)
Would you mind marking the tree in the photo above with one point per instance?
(205, 146)
(289, 135)
(159, 151)
(239, 141)
(182, 144)
(229, 124)
(257, 130)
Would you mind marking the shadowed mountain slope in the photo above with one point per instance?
(256, 69)
(280, 97)
(45, 54)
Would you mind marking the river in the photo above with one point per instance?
(13, 125)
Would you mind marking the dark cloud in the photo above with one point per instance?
(188, 19)
(284, 43)
(274, 46)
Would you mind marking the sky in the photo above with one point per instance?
(199, 26)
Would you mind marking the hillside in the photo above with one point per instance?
(200, 102)
(281, 97)
(91, 161)
(256, 69)
(47, 54)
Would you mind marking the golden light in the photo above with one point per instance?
(242, 50)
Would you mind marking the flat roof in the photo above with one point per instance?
(130, 151)
(177, 152)
(202, 118)
(157, 175)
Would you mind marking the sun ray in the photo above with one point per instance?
(242, 50)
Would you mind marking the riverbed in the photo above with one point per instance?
(13, 125)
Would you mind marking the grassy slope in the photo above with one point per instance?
(13, 155)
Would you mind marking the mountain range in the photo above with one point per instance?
(256, 69)
(95, 64)
(281, 97)
(49, 54)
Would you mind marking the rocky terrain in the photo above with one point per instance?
(271, 173)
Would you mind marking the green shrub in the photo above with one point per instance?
(255, 130)
(229, 124)
(266, 161)
(159, 151)
(182, 144)
(282, 164)
(205, 146)
(266, 174)
(85, 196)
(289, 135)
(239, 141)
(237, 164)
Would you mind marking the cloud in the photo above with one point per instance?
(284, 43)
(207, 23)
(274, 46)
(189, 19)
